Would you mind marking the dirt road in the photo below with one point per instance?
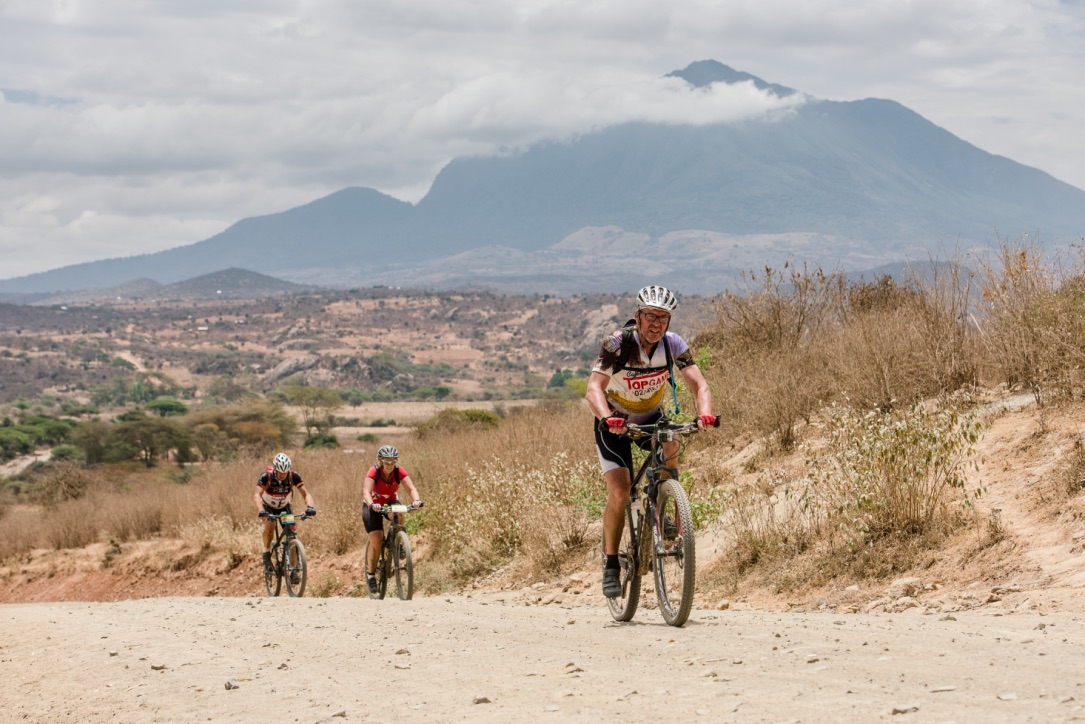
(478, 659)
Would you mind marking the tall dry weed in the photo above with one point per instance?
(802, 338)
(765, 366)
(1033, 322)
(526, 487)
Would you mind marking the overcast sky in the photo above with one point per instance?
(132, 126)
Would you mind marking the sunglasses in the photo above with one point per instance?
(653, 318)
(388, 461)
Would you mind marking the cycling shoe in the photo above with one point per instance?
(612, 582)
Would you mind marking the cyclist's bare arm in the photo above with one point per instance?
(699, 387)
(257, 498)
(308, 498)
(597, 397)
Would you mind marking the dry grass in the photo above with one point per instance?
(1034, 323)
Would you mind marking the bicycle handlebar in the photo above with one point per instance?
(393, 508)
(278, 516)
(682, 428)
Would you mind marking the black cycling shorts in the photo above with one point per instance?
(275, 511)
(616, 451)
(373, 521)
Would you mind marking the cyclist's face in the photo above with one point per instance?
(653, 323)
(388, 463)
(280, 475)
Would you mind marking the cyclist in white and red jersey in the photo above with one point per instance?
(380, 487)
(274, 490)
(628, 383)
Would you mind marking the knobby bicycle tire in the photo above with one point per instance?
(675, 563)
(295, 552)
(404, 567)
(273, 573)
(624, 607)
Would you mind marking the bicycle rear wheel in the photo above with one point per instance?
(273, 573)
(295, 569)
(404, 567)
(622, 608)
(673, 548)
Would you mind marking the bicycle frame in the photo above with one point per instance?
(658, 542)
(288, 555)
(394, 559)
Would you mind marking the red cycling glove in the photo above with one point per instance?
(613, 423)
(707, 420)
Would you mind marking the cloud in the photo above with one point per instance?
(134, 125)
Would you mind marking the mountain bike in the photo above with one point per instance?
(395, 556)
(287, 556)
(658, 531)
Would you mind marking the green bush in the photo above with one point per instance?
(885, 474)
(452, 421)
(64, 452)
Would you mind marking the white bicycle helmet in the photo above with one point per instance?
(281, 463)
(388, 451)
(657, 298)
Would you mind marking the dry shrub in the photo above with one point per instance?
(132, 520)
(889, 475)
(525, 486)
(764, 362)
(509, 507)
(72, 524)
(1070, 476)
(218, 533)
(872, 499)
(901, 343)
(22, 532)
(1034, 324)
(799, 339)
(64, 481)
(325, 586)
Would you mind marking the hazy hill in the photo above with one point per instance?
(858, 183)
(226, 284)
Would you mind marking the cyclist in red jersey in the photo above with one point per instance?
(380, 488)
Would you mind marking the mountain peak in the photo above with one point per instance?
(703, 73)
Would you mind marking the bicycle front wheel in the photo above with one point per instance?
(273, 572)
(623, 607)
(296, 572)
(401, 560)
(673, 549)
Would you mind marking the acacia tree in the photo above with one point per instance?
(150, 438)
(316, 405)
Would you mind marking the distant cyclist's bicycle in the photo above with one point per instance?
(395, 556)
(658, 531)
(287, 556)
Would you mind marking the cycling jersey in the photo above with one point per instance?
(384, 491)
(275, 493)
(636, 391)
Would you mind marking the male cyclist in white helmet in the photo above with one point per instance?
(628, 383)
